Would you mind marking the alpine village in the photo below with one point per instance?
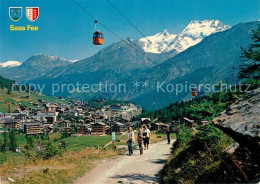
(215, 137)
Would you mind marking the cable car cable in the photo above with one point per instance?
(90, 15)
(168, 58)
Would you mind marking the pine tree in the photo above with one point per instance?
(5, 141)
(251, 66)
(12, 137)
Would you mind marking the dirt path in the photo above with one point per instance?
(130, 169)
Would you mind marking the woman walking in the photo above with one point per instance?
(130, 140)
(140, 140)
(147, 135)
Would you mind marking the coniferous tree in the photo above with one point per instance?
(12, 138)
(251, 66)
(5, 141)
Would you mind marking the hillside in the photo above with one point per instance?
(34, 67)
(214, 59)
(12, 98)
(5, 83)
(225, 153)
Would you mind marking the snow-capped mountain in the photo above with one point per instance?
(193, 33)
(158, 42)
(9, 64)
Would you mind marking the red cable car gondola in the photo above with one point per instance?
(194, 91)
(98, 37)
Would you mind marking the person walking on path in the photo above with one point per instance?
(140, 140)
(146, 135)
(168, 132)
(130, 140)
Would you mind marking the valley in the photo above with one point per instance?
(178, 106)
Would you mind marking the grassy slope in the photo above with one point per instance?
(18, 97)
(64, 168)
(198, 155)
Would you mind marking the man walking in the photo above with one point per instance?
(168, 132)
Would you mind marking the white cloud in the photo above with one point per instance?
(9, 64)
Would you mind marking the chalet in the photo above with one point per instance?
(188, 122)
(99, 128)
(115, 107)
(48, 128)
(38, 110)
(46, 117)
(12, 123)
(203, 122)
(84, 129)
(2, 114)
(118, 127)
(157, 126)
(65, 123)
(50, 107)
(145, 121)
(71, 113)
(32, 128)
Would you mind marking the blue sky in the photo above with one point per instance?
(66, 31)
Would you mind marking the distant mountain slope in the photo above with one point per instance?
(193, 33)
(215, 59)
(36, 66)
(12, 98)
(5, 83)
(111, 64)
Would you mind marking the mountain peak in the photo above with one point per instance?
(158, 42)
(164, 33)
(192, 34)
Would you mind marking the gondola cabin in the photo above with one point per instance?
(98, 38)
(194, 92)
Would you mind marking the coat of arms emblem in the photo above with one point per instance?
(32, 13)
(15, 13)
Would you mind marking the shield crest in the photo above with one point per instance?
(32, 13)
(15, 13)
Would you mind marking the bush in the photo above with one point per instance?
(184, 134)
(208, 135)
(49, 150)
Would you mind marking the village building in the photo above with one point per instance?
(32, 128)
(188, 122)
(118, 127)
(84, 129)
(145, 121)
(157, 126)
(2, 114)
(99, 128)
(12, 123)
(50, 107)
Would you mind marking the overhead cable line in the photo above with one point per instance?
(130, 22)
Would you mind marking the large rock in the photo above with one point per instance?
(243, 116)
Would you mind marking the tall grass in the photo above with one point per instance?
(59, 169)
